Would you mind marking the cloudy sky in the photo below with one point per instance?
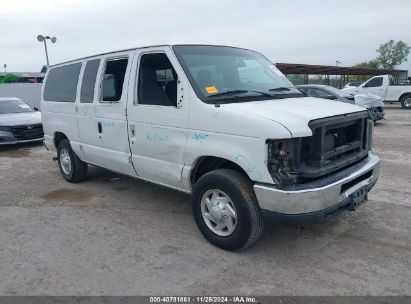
(297, 31)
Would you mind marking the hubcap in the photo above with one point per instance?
(407, 102)
(65, 161)
(219, 212)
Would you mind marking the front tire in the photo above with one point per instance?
(406, 101)
(226, 210)
(73, 169)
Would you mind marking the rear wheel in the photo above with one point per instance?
(71, 167)
(406, 101)
(226, 210)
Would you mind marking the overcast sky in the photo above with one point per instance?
(295, 31)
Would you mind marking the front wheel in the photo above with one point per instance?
(226, 210)
(406, 101)
(72, 168)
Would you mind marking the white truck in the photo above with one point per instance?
(220, 123)
(385, 87)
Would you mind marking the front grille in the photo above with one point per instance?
(335, 139)
(336, 143)
(27, 132)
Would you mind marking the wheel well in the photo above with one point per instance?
(58, 137)
(403, 95)
(209, 163)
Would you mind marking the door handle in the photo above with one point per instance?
(133, 133)
(99, 127)
(133, 130)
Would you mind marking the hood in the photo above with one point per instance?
(368, 100)
(15, 119)
(295, 113)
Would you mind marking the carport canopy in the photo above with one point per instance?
(308, 69)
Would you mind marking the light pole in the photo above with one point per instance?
(337, 62)
(5, 69)
(42, 38)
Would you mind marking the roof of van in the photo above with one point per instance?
(143, 47)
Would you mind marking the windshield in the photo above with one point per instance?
(14, 106)
(335, 91)
(219, 73)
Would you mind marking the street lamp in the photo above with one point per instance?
(42, 38)
(5, 69)
(337, 62)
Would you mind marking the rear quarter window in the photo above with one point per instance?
(61, 83)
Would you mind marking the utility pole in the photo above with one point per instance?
(43, 39)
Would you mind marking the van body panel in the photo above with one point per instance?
(60, 117)
(109, 123)
(163, 144)
(158, 133)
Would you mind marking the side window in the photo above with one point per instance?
(113, 79)
(375, 82)
(157, 81)
(89, 81)
(61, 83)
(318, 93)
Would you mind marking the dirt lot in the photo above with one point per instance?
(113, 235)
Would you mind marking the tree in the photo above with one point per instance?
(373, 64)
(392, 54)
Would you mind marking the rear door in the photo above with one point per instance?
(158, 116)
(85, 110)
(109, 118)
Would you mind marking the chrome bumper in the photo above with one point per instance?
(320, 195)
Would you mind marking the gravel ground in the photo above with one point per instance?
(113, 235)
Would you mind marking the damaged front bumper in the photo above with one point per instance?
(317, 200)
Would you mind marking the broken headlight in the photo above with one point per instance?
(283, 156)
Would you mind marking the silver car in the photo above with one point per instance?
(19, 123)
(373, 104)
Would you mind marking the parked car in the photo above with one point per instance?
(352, 84)
(19, 123)
(385, 87)
(374, 104)
(220, 123)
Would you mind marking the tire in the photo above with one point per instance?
(406, 101)
(73, 169)
(234, 192)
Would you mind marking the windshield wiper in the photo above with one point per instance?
(279, 89)
(239, 92)
(228, 92)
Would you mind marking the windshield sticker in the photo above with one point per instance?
(24, 106)
(211, 90)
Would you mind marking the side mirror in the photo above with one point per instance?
(35, 109)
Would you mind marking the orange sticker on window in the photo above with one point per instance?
(211, 90)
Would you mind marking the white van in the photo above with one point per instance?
(220, 123)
